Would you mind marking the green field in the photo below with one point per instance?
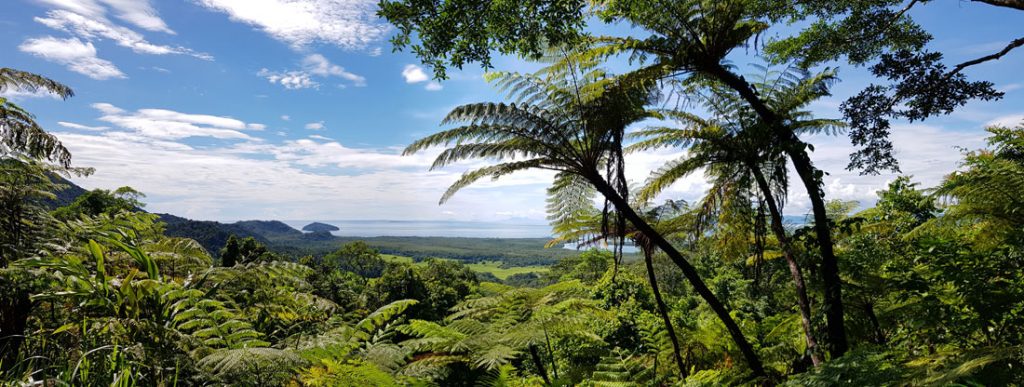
(493, 267)
(396, 258)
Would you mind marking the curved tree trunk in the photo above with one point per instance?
(753, 361)
(810, 177)
(663, 310)
(794, 267)
(537, 362)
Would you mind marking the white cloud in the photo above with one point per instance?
(1009, 121)
(91, 29)
(319, 137)
(1010, 87)
(238, 181)
(376, 51)
(286, 118)
(73, 125)
(107, 108)
(316, 64)
(163, 126)
(290, 80)
(315, 125)
(137, 12)
(927, 161)
(312, 65)
(76, 55)
(433, 86)
(414, 74)
(349, 24)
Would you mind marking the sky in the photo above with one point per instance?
(299, 109)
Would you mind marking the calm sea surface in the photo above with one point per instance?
(371, 228)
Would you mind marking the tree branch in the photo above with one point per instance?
(1015, 4)
(1014, 44)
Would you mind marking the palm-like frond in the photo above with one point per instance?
(986, 192)
(20, 134)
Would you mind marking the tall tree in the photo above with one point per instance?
(571, 122)
(691, 38)
(739, 155)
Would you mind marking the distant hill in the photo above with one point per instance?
(269, 228)
(211, 235)
(284, 239)
(320, 227)
(67, 195)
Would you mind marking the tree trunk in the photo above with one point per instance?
(869, 309)
(663, 310)
(551, 353)
(537, 362)
(794, 267)
(811, 179)
(753, 361)
(14, 313)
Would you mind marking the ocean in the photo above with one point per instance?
(429, 228)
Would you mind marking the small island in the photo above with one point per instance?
(320, 227)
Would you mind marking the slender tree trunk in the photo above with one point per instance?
(551, 353)
(14, 312)
(810, 176)
(663, 310)
(869, 309)
(753, 361)
(794, 267)
(537, 362)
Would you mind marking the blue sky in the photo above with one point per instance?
(298, 109)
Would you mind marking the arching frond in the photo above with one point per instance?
(494, 172)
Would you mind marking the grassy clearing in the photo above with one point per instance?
(396, 258)
(494, 267)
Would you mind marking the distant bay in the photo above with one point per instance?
(431, 228)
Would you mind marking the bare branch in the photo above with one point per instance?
(1015, 4)
(1014, 44)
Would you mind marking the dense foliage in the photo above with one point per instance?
(924, 287)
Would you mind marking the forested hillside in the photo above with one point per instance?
(280, 237)
(921, 284)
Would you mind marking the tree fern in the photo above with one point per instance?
(20, 134)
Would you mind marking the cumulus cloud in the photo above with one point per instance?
(349, 24)
(312, 65)
(315, 125)
(415, 74)
(927, 161)
(295, 179)
(92, 28)
(290, 79)
(168, 125)
(137, 12)
(87, 22)
(76, 55)
(1009, 121)
(316, 64)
